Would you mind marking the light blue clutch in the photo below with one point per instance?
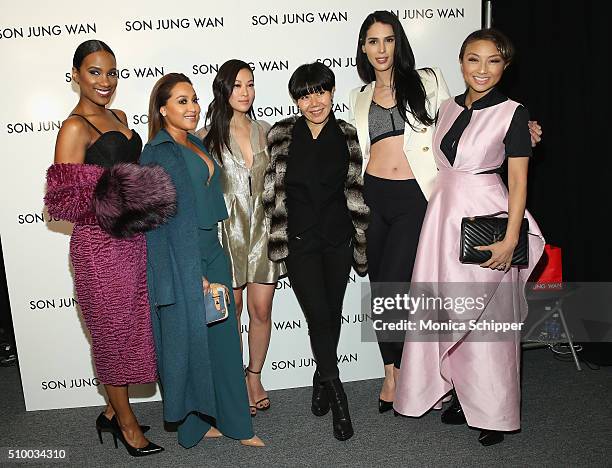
(215, 305)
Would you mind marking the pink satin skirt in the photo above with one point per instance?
(484, 373)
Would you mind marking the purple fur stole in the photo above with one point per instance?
(129, 199)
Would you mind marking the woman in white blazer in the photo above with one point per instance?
(395, 114)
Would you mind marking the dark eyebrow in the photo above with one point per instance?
(95, 67)
(487, 57)
(376, 37)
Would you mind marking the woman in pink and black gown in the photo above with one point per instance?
(475, 133)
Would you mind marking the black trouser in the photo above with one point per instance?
(397, 209)
(318, 272)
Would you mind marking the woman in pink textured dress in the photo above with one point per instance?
(475, 133)
(95, 184)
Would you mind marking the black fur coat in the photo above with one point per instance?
(275, 199)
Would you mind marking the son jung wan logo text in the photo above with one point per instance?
(290, 110)
(173, 23)
(31, 127)
(153, 71)
(288, 364)
(297, 18)
(47, 30)
(65, 384)
(429, 13)
(338, 62)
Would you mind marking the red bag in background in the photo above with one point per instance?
(547, 275)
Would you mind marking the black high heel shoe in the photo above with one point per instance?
(343, 427)
(320, 400)
(454, 413)
(384, 406)
(488, 437)
(103, 424)
(149, 449)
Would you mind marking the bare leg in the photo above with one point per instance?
(387, 392)
(259, 304)
(396, 376)
(109, 411)
(119, 401)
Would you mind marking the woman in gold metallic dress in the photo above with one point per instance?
(238, 143)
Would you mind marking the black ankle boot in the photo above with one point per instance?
(320, 400)
(343, 428)
(488, 437)
(454, 413)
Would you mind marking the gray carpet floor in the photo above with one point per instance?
(567, 421)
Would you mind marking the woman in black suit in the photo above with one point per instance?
(313, 195)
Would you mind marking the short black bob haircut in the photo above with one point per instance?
(311, 78)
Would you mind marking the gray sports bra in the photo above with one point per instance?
(384, 123)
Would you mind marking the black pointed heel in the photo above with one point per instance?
(103, 424)
(384, 406)
(149, 449)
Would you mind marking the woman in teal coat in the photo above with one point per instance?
(200, 365)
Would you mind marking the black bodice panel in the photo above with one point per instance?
(114, 147)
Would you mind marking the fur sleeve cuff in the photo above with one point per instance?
(70, 190)
(129, 199)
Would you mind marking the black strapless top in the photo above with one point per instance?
(113, 147)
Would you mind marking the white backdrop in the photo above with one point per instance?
(37, 41)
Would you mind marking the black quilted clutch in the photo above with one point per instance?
(486, 230)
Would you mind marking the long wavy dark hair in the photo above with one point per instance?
(219, 114)
(409, 90)
(159, 97)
